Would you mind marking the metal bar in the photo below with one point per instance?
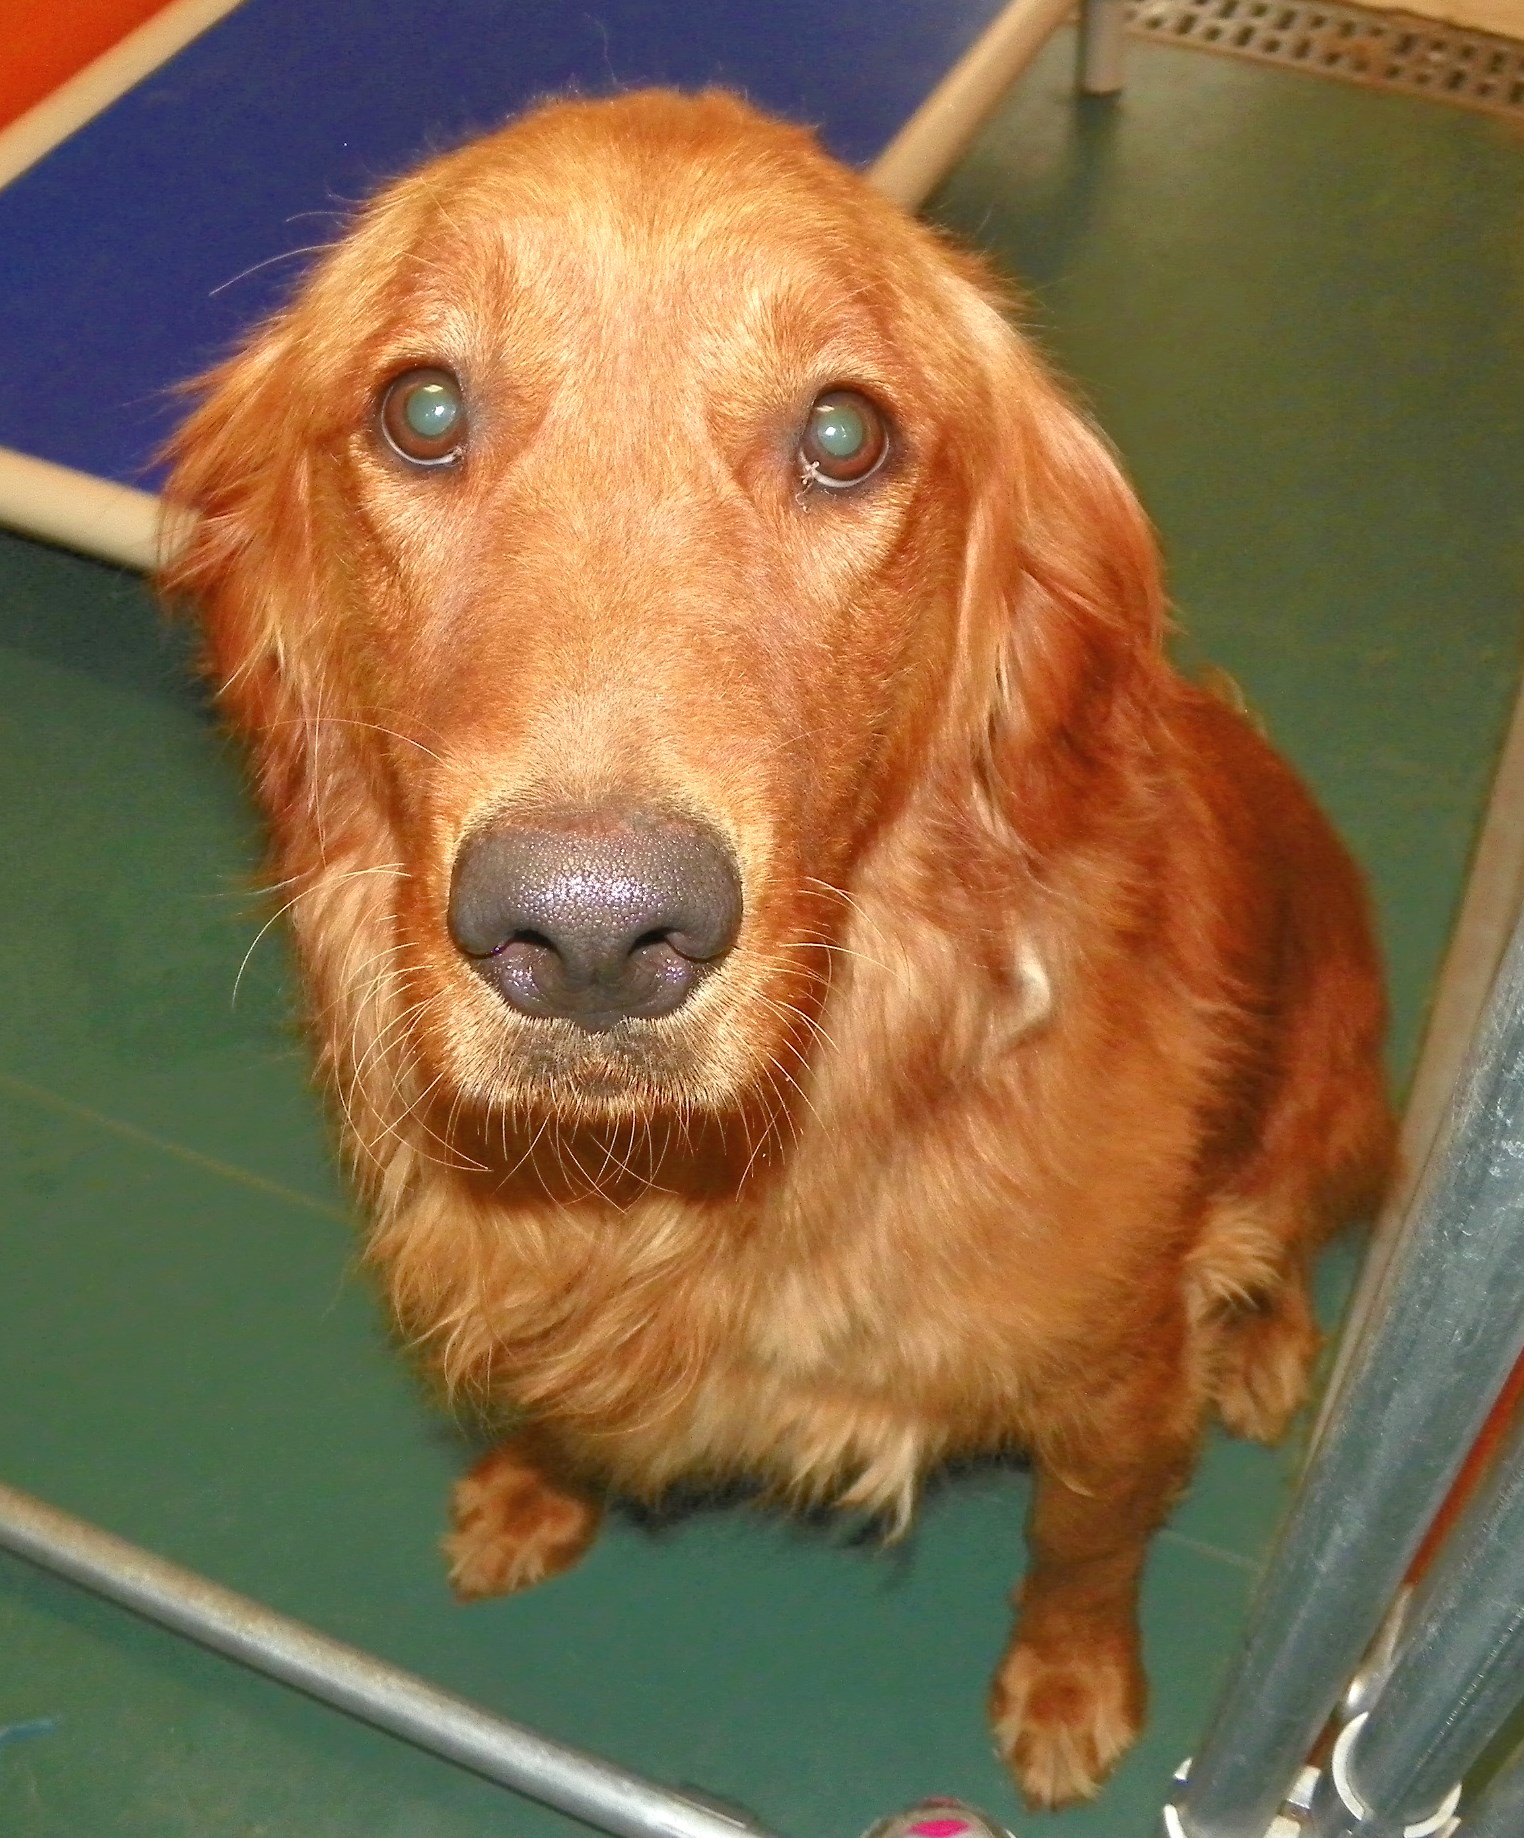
(1490, 906)
(551, 1772)
(1102, 35)
(1446, 1329)
(1457, 1675)
(1500, 1811)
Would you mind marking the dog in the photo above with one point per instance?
(812, 994)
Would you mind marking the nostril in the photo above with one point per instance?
(595, 919)
(536, 941)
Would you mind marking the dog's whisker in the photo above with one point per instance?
(352, 874)
(351, 721)
(352, 997)
(376, 1050)
(286, 255)
(454, 1157)
(527, 1153)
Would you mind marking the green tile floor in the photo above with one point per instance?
(1299, 308)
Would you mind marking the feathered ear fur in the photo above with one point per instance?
(1063, 605)
(240, 493)
(249, 467)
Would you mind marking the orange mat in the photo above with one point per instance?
(1499, 1422)
(47, 41)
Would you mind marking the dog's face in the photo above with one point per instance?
(610, 518)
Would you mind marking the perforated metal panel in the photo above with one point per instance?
(1382, 50)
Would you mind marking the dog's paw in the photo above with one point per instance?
(1063, 1721)
(1264, 1367)
(513, 1527)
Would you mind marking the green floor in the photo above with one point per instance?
(1299, 308)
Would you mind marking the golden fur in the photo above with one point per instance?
(1049, 1050)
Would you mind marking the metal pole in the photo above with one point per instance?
(1458, 1673)
(566, 1778)
(1500, 1811)
(1102, 34)
(1446, 1329)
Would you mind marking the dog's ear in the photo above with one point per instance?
(249, 488)
(1063, 613)
(238, 554)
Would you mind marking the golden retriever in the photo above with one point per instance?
(811, 992)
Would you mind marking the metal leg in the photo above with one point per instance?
(1500, 1811)
(1493, 900)
(1455, 1679)
(566, 1778)
(1103, 26)
(1446, 1329)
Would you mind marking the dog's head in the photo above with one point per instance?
(632, 521)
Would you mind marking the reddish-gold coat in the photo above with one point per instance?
(1049, 1050)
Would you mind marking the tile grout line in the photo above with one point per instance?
(1203, 1549)
(131, 1132)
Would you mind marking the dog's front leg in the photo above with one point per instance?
(519, 1517)
(1068, 1698)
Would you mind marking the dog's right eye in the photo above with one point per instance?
(422, 415)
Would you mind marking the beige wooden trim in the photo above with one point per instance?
(1505, 17)
(95, 516)
(98, 85)
(940, 130)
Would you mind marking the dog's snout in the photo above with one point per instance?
(595, 919)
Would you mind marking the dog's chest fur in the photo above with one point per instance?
(835, 1340)
(914, 1282)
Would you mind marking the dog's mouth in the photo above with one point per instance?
(680, 1038)
(609, 1114)
(627, 1062)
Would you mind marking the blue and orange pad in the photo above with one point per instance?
(137, 251)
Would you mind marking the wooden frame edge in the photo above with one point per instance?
(90, 91)
(97, 517)
(941, 129)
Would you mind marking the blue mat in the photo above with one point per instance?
(136, 252)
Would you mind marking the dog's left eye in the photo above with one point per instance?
(422, 414)
(845, 439)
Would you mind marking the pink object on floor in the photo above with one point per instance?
(938, 1817)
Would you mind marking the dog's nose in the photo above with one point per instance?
(596, 919)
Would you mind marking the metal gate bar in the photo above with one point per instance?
(1458, 1674)
(1101, 41)
(551, 1772)
(1500, 1811)
(1447, 1326)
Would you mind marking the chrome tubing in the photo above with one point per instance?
(566, 1778)
(1459, 1672)
(1102, 37)
(1446, 1328)
(1500, 1811)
